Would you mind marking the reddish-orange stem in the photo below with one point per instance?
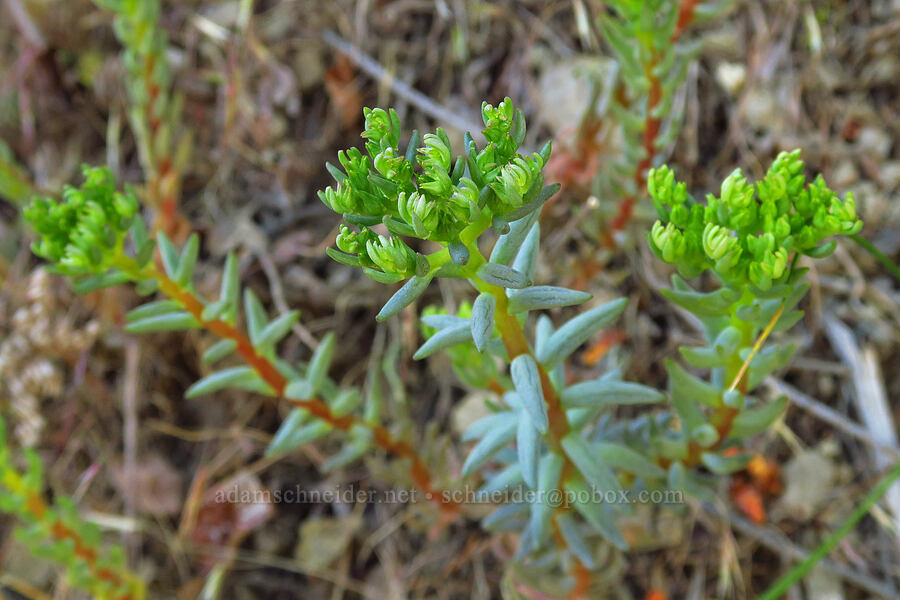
(651, 128)
(61, 532)
(514, 340)
(419, 470)
(685, 16)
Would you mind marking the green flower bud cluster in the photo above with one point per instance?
(425, 192)
(749, 233)
(83, 232)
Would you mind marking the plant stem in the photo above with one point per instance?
(738, 382)
(513, 336)
(37, 509)
(419, 471)
(783, 584)
(652, 125)
(878, 255)
(723, 417)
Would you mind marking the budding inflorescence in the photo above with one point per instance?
(425, 192)
(750, 232)
(83, 232)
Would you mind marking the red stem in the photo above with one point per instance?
(316, 407)
(35, 505)
(651, 128)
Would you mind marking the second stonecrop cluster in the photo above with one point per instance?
(750, 233)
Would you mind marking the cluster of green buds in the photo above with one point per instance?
(750, 234)
(425, 193)
(82, 233)
(749, 237)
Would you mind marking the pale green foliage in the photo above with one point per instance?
(95, 236)
(428, 194)
(504, 191)
(59, 533)
(748, 234)
(541, 426)
(749, 237)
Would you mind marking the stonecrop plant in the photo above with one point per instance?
(645, 38)
(545, 434)
(750, 238)
(420, 213)
(554, 438)
(58, 532)
(154, 109)
(555, 455)
(95, 236)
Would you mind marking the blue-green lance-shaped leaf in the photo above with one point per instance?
(567, 338)
(527, 381)
(442, 321)
(187, 261)
(509, 243)
(482, 426)
(297, 418)
(169, 254)
(293, 434)
(230, 289)
(277, 329)
(502, 276)
(152, 309)
(256, 316)
(445, 338)
(542, 332)
(540, 297)
(713, 304)
(218, 351)
(307, 387)
(505, 479)
(494, 440)
(595, 471)
(244, 378)
(509, 517)
(549, 473)
(528, 446)
(527, 256)
(92, 283)
(346, 402)
(173, 321)
(608, 392)
(703, 358)
(575, 542)
(595, 513)
(623, 457)
(405, 296)
(689, 387)
(755, 420)
(483, 319)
